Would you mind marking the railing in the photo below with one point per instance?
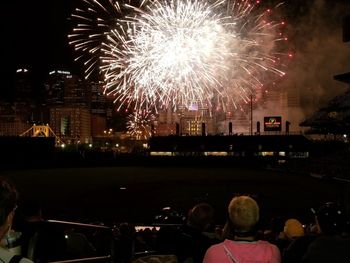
(64, 241)
(91, 259)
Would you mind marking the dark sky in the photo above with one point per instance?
(34, 33)
(34, 36)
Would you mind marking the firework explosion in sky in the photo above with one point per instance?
(160, 54)
(139, 124)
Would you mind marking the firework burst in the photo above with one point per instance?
(94, 20)
(161, 54)
(139, 124)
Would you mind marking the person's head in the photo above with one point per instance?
(293, 228)
(8, 204)
(331, 219)
(201, 216)
(244, 214)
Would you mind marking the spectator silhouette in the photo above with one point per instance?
(275, 227)
(166, 239)
(193, 240)
(30, 225)
(332, 245)
(8, 205)
(42, 240)
(292, 230)
(298, 247)
(78, 246)
(124, 243)
(243, 216)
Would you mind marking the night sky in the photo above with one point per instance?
(34, 36)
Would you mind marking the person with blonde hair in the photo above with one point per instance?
(243, 247)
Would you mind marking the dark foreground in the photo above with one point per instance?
(137, 193)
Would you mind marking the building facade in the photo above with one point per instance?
(71, 124)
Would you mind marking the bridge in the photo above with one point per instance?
(41, 131)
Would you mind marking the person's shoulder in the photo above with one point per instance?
(215, 253)
(6, 256)
(217, 246)
(266, 244)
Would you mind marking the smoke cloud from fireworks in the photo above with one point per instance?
(320, 54)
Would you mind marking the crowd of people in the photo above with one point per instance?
(242, 239)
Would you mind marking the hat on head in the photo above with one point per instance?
(293, 228)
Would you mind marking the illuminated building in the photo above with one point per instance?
(17, 114)
(269, 146)
(71, 124)
(66, 98)
(10, 123)
(186, 121)
(23, 86)
(166, 123)
(101, 108)
(61, 87)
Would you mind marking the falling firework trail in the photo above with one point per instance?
(160, 54)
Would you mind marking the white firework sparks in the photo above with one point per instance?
(94, 21)
(214, 53)
(139, 124)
